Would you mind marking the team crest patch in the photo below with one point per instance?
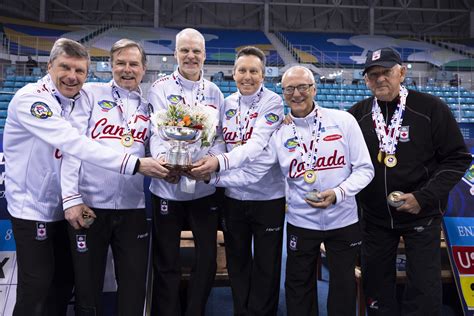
(404, 134)
(271, 118)
(230, 114)
(376, 54)
(41, 233)
(174, 99)
(107, 105)
(81, 243)
(291, 144)
(293, 242)
(164, 207)
(41, 110)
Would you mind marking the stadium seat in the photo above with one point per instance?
(9, 84)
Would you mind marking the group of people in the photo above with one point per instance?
(76, 155)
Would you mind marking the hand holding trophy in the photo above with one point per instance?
(182, 125)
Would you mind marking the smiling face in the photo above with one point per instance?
(248, 74)
(190, 53)
(68, 74)
(127, 68)
(385, 82)
(300, 102)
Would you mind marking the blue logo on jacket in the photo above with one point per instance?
(107, 105)
(230, 114)
(174, 99)
(271, 118)
(41, 110)
(291, 144)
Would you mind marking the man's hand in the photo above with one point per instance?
(287, 120)
(411, 204)
(328, 197)
(74, 215)
(153, 168)
(205, 166)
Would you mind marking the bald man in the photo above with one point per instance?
(324, 159)
(173, 204)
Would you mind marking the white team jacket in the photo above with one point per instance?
(263, 120)
(35, 130)
(166, 91)
(343, 164)
(96, 186)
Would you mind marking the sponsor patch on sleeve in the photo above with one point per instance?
(271, 118)
(41, 110)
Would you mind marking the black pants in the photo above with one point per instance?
(423, 291)
(169, 218)
(303, 246)
(126, 232)
(255, 280)
(45, 274)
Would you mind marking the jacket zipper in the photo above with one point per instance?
(385, 173)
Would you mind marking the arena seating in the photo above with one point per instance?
(343, 96)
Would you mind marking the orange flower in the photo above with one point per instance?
(187, 120)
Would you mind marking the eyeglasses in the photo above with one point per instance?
(374, 75)
(301, 88)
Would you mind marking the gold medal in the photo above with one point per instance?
(127, 140)
(380, 156)
(309, 176)
(390, 161)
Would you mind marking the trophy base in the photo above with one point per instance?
(178, 168)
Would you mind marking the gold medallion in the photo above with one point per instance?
(380, 156)
(390, 161)
(127, 140)
(309, 176)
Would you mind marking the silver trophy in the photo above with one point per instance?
(178, 156)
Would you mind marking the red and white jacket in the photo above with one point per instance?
(103, 121)
(260, 115)
(36, 134)
(343, 164)
(171, 89)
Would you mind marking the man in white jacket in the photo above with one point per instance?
(116, 116)
(36, 134)
(253, 215)
(175, 204)
(323, 156)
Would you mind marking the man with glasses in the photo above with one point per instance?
(325, 162)
(419, 155)
(254, 214)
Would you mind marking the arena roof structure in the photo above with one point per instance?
(451, 19)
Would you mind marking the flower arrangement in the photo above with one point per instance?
(198, 117)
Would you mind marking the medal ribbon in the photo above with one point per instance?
(56, 94)
(118, 100)
(243, 128)
(388, 136)
(199, 93)
(310, 159)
